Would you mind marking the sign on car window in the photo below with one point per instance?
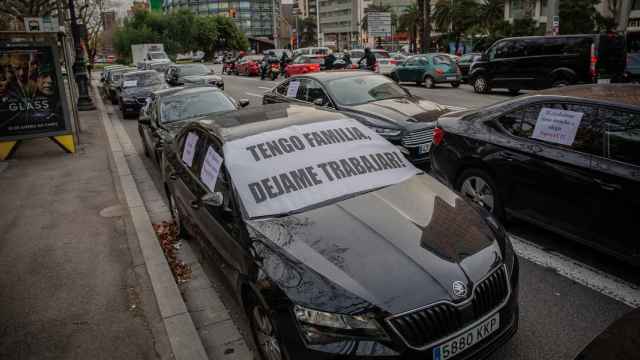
(557, 126)
(189, 148)
(285, 170)
(293, 88)
(211, 168)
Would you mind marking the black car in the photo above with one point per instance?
(135, 90)
(464, 64)
(566, 159)
(197, 73)
(380, 103)
(619, 341)
(396, 267)
(540, 62)
(172, 108)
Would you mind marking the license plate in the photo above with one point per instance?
(467, 339)
(604, 81)
(424, 148)
(450, 78)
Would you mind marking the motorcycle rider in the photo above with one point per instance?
(369, 59)
(284, 60)
(329, 60)
(347, 58)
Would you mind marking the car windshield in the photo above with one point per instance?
(157, 55)
(364, 89)
(187, 106)
(141, 79)
(194, 69)
(300, 167)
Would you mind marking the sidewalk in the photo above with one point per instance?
(73, 283)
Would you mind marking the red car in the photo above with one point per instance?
(249, 65)
(304, 64)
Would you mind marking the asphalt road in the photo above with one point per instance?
(559, 315)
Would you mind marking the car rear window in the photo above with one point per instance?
(441, 60)
(381, 54)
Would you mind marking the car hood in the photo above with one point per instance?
(397, 249)
(145, 91)
(201, 79)
(405, 112)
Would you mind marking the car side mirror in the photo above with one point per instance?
(215, 199)
(144, 121)
(243, 102)
(318, 102)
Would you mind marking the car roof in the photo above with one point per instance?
(624, 94)
(254, 120)
(338, 74)
(190, 90)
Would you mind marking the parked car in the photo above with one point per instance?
(618, 341)
(428, 69)
(105, 71)
(404, 120)
(198, 56)
(113, 81)
(159, 66)
(566, 159)
(384, 65)
(311, 51)
(249, 65)
(304, 64)
(540, 62)
(176, 74)
(464, 64)
(632, 70)
(311, 264)
(170, 109)
(135, 90)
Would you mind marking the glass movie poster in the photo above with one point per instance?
(31, 98)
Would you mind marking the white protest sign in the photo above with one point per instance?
(557, 126)
(211, 168)
(129, 83)
(293, 89)
(285, 170)
(189, 148)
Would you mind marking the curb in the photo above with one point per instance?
(183, 337)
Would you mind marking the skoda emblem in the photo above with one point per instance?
(459, 289)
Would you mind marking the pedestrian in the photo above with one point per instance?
(347, 58)
(369, 58)
(329, 60)
(284, 59)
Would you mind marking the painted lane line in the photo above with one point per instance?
(252, 94)
(583, 274)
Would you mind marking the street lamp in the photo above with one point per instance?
(79, 66)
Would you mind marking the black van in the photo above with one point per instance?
(540, 62)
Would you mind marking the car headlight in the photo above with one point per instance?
(384, 131)
(320, 326)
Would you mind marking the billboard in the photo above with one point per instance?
(32, 98)
(378, 24)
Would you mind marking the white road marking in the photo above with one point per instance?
(585, 275)
(252, 94)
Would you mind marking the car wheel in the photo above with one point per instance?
(114, 100)
(560, 83)
(176, 215)
(478, 186)
(514, 91)
(264, 333)
(455, 84)
(394, 77)
(481, 85)
(145, 146)
(428, 82)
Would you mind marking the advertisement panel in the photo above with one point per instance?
(32, 99)
(379, 24)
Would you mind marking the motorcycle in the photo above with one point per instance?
(274, 71)
(228, 67)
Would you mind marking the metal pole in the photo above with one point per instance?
(318, 21)
(275, 24)
(79, 66)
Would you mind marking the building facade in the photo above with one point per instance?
(254, 17)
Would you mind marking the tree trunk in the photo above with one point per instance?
(426, 35)
(419, 23)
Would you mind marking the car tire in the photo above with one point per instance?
(265, 334)
(428, 82)
(514, 91)
(481, 84)
(114, 101)
(560, 83)
(478, 186)
(394, 77)
(455, 84)
(176, 214)
(145, 147)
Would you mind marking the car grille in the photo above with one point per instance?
(423, 328)
(418, 137)
(141, 100)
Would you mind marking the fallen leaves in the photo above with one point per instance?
(170, 243)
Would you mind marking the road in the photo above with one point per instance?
(563, 304)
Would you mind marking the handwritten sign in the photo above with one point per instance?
(129, 83)
(189, 148)
(557, 126)
(289, 169)
(211, 168)
(293, 89)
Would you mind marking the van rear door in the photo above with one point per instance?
(612, 57)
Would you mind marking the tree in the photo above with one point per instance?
(577, 16)
(308, 37)
(490, 14)
(456, 16)
(408, 22)
(28, 8)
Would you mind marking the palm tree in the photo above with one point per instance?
(409, 22)
(491, 13)
(455, 16)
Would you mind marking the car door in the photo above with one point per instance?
(617, 173)
(315, 91)
(277, 95)
(501, 64)
(219, 224)
(406, 71)
(546, 182)
(155, 138)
